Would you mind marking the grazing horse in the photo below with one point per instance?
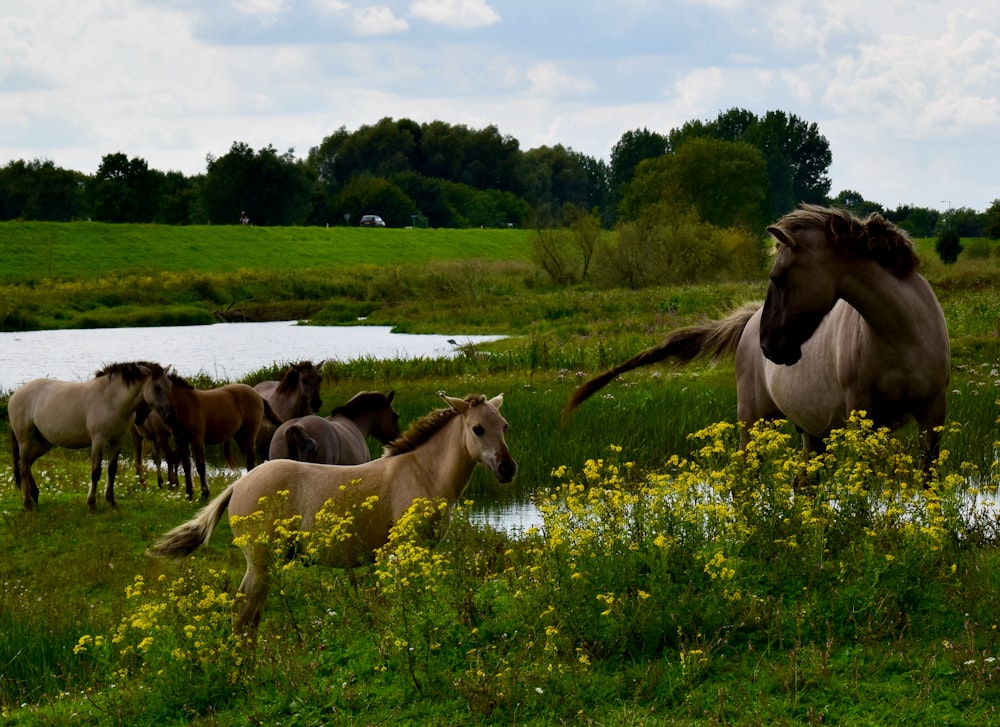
(848, 324)
(156, 431)
(296, 395)
(45, 413)
(215, 416)
(434, 459)
(340, 437)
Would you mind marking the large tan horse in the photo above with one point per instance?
(340, 437)
(215, 416)
(45, 413)
(848, 324)
(434, 459)
(295, 395)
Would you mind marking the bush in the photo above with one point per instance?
(948, 247)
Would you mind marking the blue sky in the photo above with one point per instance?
(907, 93)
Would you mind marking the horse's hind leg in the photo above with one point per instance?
(109, 491)
(256, 583)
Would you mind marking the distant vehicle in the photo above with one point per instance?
(371, 221)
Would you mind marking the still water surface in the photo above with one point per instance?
(223, 351)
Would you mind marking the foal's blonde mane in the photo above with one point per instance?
(873, 237)
(426, 427)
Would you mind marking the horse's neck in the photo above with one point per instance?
(897, 310)
(123, 396)
(444, 462)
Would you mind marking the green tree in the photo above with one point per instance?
(122, 190)
(798, 157)
(39, 190)
(272, 188)
(367, 194)
(724, 182)
(855, 203)
(948, 246)
(992, 217)
(628, 152)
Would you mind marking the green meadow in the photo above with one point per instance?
(673, 582)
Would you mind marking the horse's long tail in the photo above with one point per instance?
(184, 539)
(716, 339)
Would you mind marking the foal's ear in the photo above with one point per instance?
(388, 397)
(459, 405)
(496, 401)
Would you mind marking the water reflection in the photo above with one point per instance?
(511, 517)
(223, 351)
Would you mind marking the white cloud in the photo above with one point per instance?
(378, 20)
(266, 12)
(547, 78)
(456, 13)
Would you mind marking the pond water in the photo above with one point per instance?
(223, 351)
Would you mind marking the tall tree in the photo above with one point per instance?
(724, 182)
(798, 157)
(271, 188)
(122, 190)
(634, 147)
(39, 190)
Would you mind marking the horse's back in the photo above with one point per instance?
(56, 409)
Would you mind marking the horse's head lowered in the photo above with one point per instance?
(483, 429)
(812, 246)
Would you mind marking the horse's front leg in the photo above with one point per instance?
(96, 455)
(114, 452)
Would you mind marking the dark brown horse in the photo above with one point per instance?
(296, 395)
(215, 416)
(848, 325)
(45, 413)
(340, 437)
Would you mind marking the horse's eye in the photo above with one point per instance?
(478, 430)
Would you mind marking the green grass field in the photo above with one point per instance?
(675, 582)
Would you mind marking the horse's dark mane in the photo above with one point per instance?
(426, 427)
(130, 371)
(360, 403)
(290, 379)
(873, 237)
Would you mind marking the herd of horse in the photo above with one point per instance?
(847, 324)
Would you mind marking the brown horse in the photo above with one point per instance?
(848, 324)
(45, 413)
(215, 416)
(296, 395)
(340, 437)
(433, 460)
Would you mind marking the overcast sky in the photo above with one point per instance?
(907, 92)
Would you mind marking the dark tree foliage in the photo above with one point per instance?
(39, 190)
(855, 203)
(992, 216)
(123, 190)
(798, 157)
(948, 246)
(271, 188)
(633, 148)
(965, 221)
(916, 221)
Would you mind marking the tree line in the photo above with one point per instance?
(738, 170)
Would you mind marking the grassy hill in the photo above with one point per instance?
(31, 251)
